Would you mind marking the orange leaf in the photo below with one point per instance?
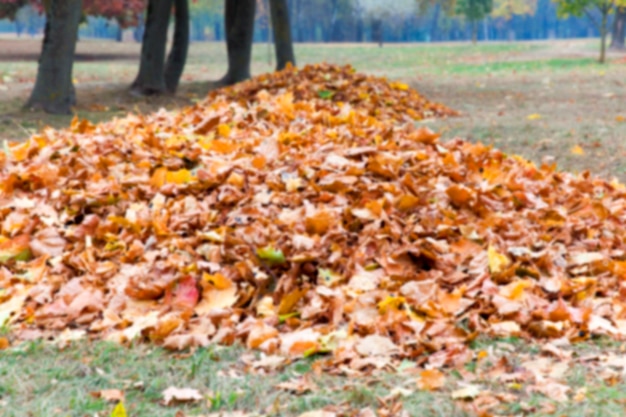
(459, 195)
(431, 379)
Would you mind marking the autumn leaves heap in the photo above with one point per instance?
(300, 213)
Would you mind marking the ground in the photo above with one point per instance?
(536, 99)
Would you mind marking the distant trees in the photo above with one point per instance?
(586, 7)
(474, 11)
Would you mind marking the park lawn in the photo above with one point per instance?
(534, 99)
(39, 379)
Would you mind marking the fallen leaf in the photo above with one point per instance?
(175, 395)
(577, 150)
(431, 379)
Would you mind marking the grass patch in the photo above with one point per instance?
(37, 379)
(522, 66)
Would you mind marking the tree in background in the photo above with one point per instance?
(281, 28)
(156, 75)
(619, 29)
(580, 7)
(377, 12)
(53, 91)
(506, 9)
(474, 11)
(239, 27)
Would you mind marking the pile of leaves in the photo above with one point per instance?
(302, 226)
(376, 96)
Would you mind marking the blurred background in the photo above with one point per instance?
(348, 21)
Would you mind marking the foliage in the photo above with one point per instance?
(509, 8)
(474, 10)
(125, 12)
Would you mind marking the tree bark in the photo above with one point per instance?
(239, 28)
(53, 91)
(150, 79)
(283, 44)
(619, 29)
(603, 33)
(180, 46)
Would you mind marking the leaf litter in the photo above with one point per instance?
(305, 213)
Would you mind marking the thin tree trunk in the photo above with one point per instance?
(180, 46)
(474, 24)
(239, 28)
(619, 29)
(603, 32)
(434, 28)
(283, 44)
(150, 79)
(53, 91)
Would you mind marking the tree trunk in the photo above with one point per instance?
(603, 33)
(239, 28)
(619, 29)
(474, 24)
(282, 34)
(180, 45)
(150, 79)
(377, 31)
(434, 28)
(53, 91)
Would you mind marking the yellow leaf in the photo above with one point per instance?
(119, 410)
(577, 150)
(182, 176)
(399, 86)
(534, 116)
(223, 130)
(497, 261)
(620, 118)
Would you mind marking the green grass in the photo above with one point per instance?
(522, 66)
(41, 380)
(38, 379)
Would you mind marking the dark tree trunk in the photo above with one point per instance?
(150, 79)
(53, 91)
(239, 28)
(377, 31)
(619, 29)
(282, 34)
(180, 45)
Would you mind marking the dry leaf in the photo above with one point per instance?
(173, 395)
(431, 379)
